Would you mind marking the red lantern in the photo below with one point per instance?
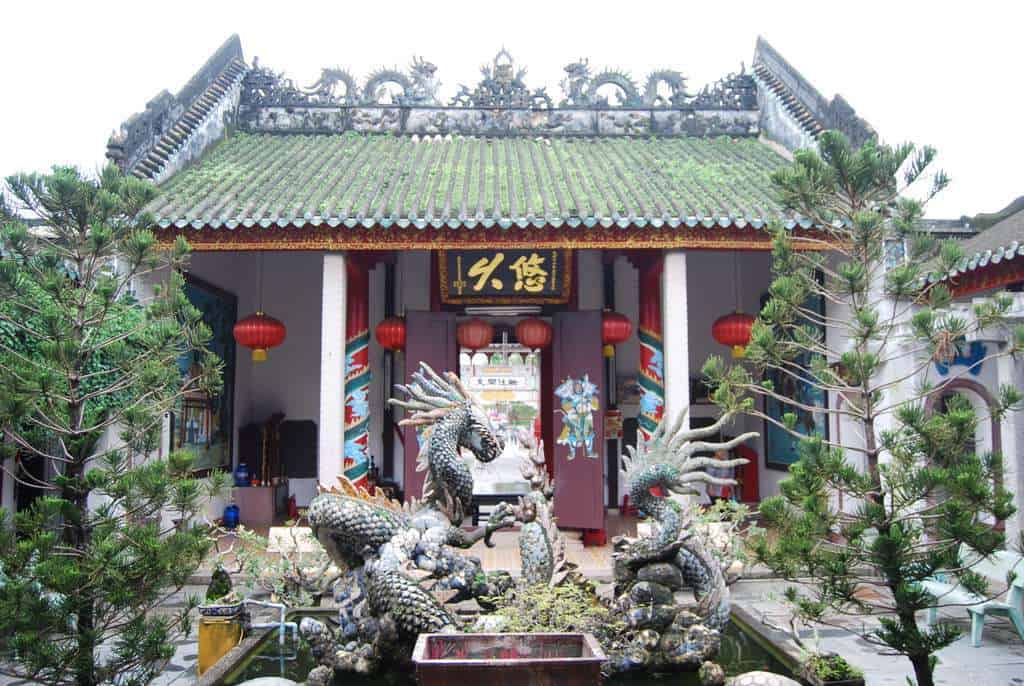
(474, 334)
(391, 333)
(733, 330)
(534, 333)
(615, 328)
(259, 332)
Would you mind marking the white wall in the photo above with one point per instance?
(627, 302)
(289, 380)
(711, 295)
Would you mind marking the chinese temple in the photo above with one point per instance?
(573, 253)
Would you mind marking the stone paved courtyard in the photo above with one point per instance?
(998, 662)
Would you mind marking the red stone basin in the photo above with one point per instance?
(507, 659)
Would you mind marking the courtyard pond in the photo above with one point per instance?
(739, 653)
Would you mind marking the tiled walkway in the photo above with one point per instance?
(998, 662)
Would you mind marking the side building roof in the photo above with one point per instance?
(993, 258)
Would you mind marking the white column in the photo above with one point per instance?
(675, 329)
(330, 454)
(1013, 470)
(675, 334)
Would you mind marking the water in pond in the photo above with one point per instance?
(740, 653)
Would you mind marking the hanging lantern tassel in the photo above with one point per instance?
(734, 330)
(615, 329)
(259, 332)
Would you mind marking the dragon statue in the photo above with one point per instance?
(401, 569)
(541, 544)
(651, 570)
(400, 563)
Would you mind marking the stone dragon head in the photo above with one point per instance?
(433, 399)
(670, 459)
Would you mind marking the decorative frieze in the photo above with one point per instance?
(608, 103)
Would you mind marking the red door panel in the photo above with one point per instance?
(578, 419)
(430, 338)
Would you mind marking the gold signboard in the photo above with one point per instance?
(505, 277)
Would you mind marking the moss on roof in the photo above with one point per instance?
(360, 179)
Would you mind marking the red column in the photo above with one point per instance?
(652, 354)
(357, 371)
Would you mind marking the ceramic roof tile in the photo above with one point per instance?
(366, 179)
(1001, 242)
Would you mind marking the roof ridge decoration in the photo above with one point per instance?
(502, 86)
(501, 103)
(803, 104)
(175, 129)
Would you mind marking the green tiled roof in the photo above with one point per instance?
(380, 180)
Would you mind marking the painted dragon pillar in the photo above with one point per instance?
(652, 354)
(357, 372)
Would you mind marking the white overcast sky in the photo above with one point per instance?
(944, 73)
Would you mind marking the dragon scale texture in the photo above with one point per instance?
(649, 570)
(402, 568)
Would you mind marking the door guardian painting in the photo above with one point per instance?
(578, 401)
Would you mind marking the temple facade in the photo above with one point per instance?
(574, 256)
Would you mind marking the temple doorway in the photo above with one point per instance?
(506, 377)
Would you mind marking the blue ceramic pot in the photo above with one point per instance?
(242, 474)
(231, 517)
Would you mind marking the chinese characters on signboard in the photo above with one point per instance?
(505, 276)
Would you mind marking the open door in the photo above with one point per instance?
(578, 409)
(430, 338)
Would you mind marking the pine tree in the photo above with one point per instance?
(87, 375)
(924, 495)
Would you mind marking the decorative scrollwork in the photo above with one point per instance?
(419, 87)
(326, 87)
(733, 91)
(336, 86)
(262, 86)
(574, 85)
(629, 96)
(676, 85)
(502, 86)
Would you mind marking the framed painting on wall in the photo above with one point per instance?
(201, 424)
(781, 448)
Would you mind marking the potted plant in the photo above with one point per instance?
(830, 669)
(818, 667)
(229, 605)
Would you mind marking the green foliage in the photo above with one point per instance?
(298, 574)
(923, 498)
(567, 607)
(831, 668)
(88, 374)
